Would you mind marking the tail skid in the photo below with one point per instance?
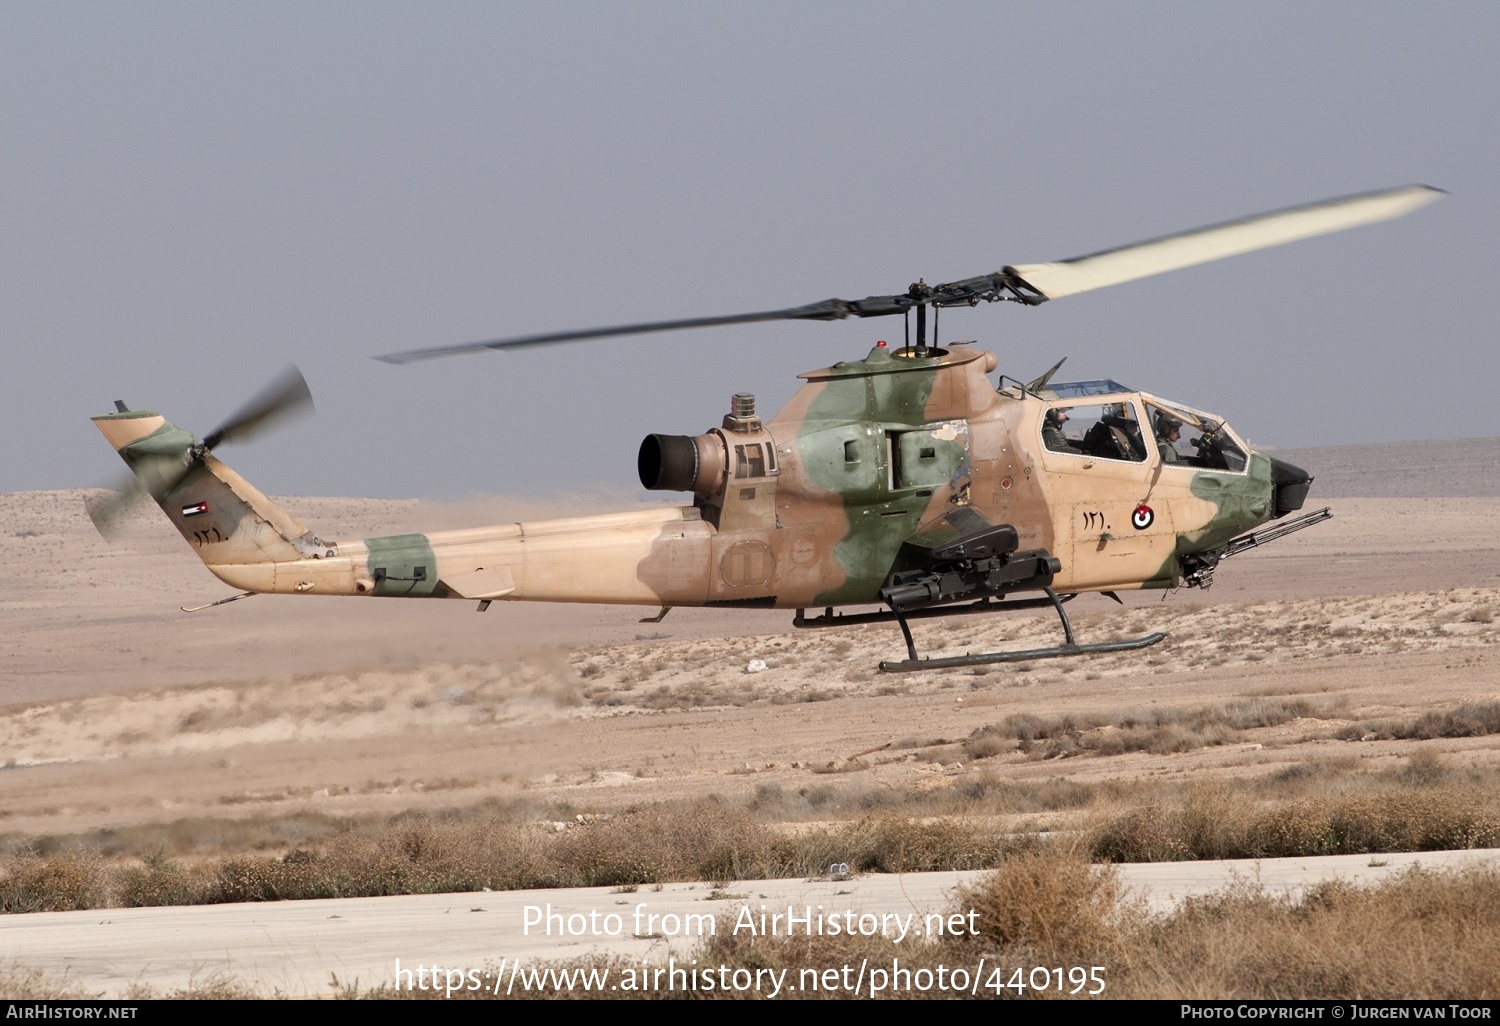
(220, 602)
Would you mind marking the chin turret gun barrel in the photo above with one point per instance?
(1199, 567)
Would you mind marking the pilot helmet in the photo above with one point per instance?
(1166, 424)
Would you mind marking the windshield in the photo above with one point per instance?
(1191, 438)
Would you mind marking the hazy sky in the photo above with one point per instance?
(193, 195)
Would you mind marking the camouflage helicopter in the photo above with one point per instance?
(907, 479)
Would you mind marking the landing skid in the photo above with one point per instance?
(1069, 647)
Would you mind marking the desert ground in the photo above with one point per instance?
(332, 946)
(123, 710)
(131, 726)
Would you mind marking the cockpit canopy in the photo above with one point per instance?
(1074, 389)
(1106, 419)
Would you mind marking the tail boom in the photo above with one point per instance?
(653, 557)
(650, 557)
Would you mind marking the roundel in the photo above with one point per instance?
(1141, 518)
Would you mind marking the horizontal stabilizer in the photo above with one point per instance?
(480, 583)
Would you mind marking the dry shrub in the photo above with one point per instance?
(769, 799)
(159, 880)
(703, 840)
(1213, 822)
(1422, 935)
(254, 878)
(996, 794)
(1202, 825)
(891, 844)
(1472, 719)
(985, 745)
(1435, 819)
(56, 883)
(31, 985)
(1301, 777)
(1159, 731)
(1054, 905)
(1423, 768)
(414, 855)
(422, 854)
(1331, 809)
(212, 988)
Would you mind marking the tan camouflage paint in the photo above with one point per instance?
(864, 455)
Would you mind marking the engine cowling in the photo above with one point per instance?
(683, 463)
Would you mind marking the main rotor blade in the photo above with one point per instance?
(1202, 245)
(1027, 283)
(827, 310)
(286, 396)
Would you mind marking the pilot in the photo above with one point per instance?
(1168, 431)
(1052, 433)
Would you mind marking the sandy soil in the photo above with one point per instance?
(123, 710)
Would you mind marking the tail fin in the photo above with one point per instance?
(224, 517)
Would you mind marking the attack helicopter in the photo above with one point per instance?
(907, 480)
